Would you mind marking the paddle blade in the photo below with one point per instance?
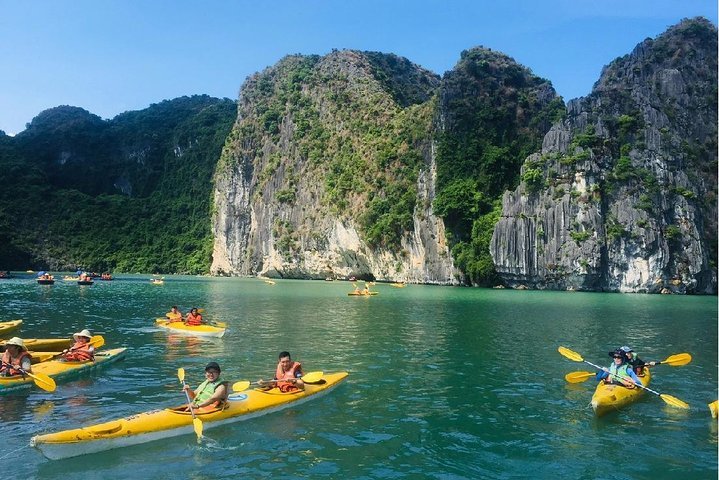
(97, 341)
(197, 426)
(570, 354)
(673, 401)
(313, 377)
(678, 359)
(240, 386)
(181, 374)
(43, 381)
(578, 377)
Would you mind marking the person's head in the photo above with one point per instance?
(212, 370)
(285, 360)
(82, 336)
(628, 352)
(16, 345)
(174, 308)
(618, 356)
(193, 311)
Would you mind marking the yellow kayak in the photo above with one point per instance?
(361, 294)
(713, 408)
(203, 330)
(611, 397)
(43, 343)
(6, 327)
(171, 422)
(59, 369)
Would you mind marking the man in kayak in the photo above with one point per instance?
(193, 318)
(81, 351)
(636, 362)
(210, 393)
(620, 371)
(174, 315)
(287, 375)
(15, 359)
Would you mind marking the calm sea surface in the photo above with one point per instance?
(446, 383)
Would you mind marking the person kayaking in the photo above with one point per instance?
(634, 360)
(210, 393)
(15, 358)
(81, 350)
(620, 371)
(287, 375)
(193, 317)
(174, 315)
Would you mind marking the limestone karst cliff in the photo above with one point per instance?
(623, 194)
(329, 172)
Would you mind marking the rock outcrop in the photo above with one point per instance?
(623, 195)
(329, 172)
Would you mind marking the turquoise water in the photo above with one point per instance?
(446, 383)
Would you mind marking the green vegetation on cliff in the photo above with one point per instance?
(495, 114)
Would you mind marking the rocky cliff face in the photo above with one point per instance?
(622, 196)
(329, 172)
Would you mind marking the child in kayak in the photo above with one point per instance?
(636, 362)
(620, 372)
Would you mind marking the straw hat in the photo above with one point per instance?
(85, 333)
(17, 341)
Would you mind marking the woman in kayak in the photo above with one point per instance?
(636, 362)
(620, 372)
(210, 393)
(193, 318)
(287, 375)
(15, 359)
(82, 350)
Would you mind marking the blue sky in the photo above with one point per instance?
(110, 56)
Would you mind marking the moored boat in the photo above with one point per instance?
(6, 327)
(59, 369)
(611, 397)
(204, 330)
(171, 422)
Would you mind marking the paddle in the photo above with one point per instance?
(676, 360)
(196, 422)
(41, 380)
(574, 356)
(312, 377)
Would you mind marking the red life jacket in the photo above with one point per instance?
(281, 375)
(80, 352)
(194, 319)
(13, 362)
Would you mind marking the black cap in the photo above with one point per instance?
(213, 365)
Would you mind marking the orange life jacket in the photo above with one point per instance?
(80, 352)
(11, 365)
(194, 319)
(281, 375)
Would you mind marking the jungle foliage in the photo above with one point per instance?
(496, 113)
(131, 194)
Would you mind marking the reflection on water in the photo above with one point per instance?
(444, 382)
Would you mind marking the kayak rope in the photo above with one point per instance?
(13, 452)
